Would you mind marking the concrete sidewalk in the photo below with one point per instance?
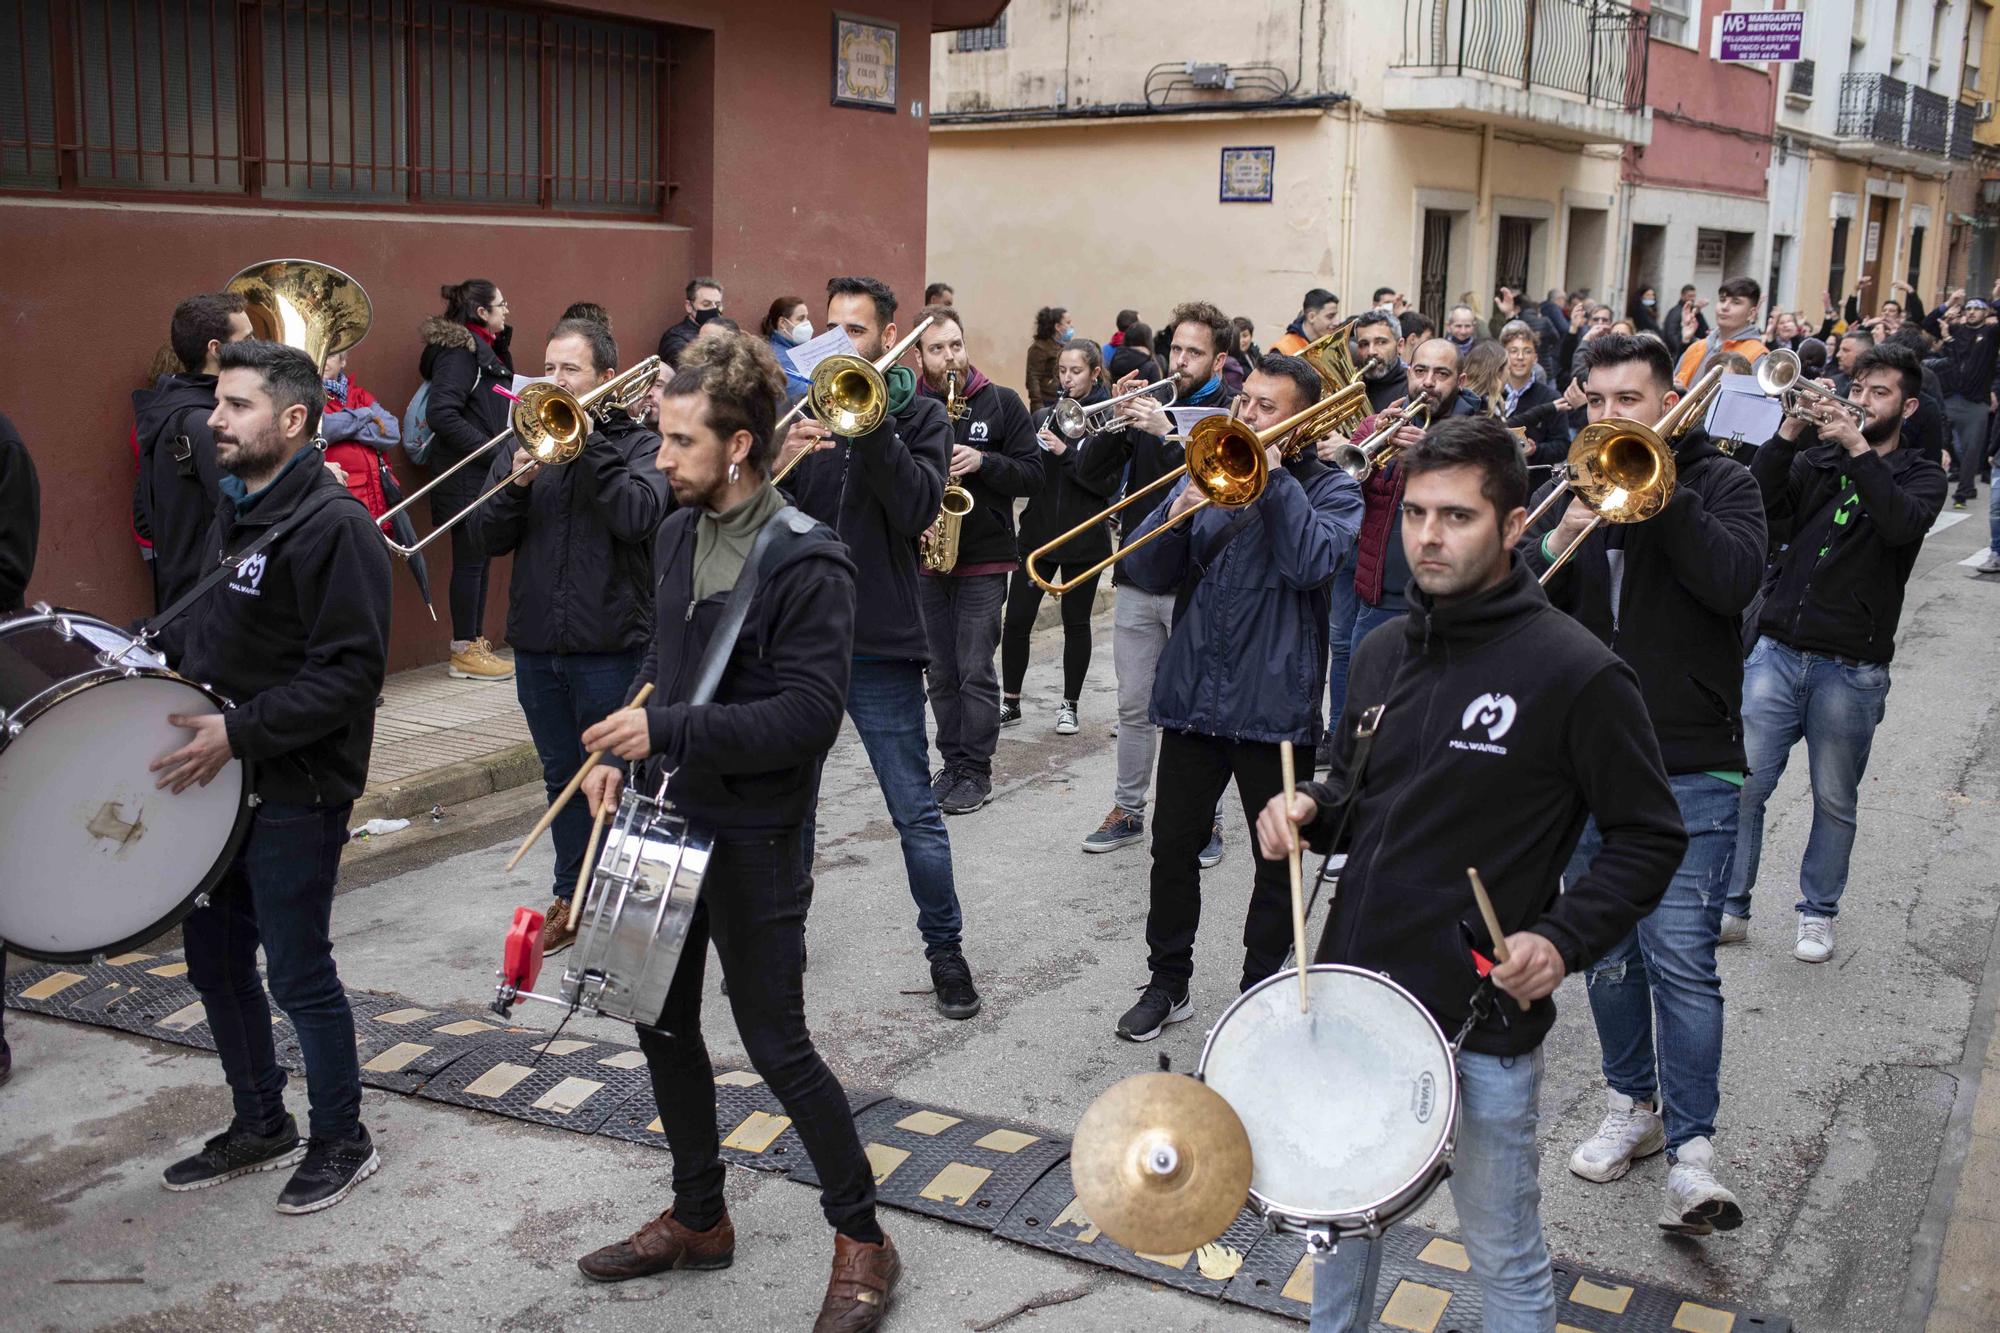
(440, 741)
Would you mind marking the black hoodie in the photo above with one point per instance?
(1394, 383)
(1068, 495)
(1687, 575)
(20, 517)
(746, 764)
(298, 640)
(179, 479)
(1851, 528)
(879, 493)
(996, 423)
(1506, 726)
(582, 535)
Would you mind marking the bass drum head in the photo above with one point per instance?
(93, 859)
(1347, 1105)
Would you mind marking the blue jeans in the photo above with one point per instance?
(885, 699)
(279, 893)
(1666, 966)
(1836, 707)
(1993, 517)
(564, 694)
(1495, 1186)
(1339, 641)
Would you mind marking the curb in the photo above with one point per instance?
(453, 784)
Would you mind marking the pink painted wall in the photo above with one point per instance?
(1711, 121)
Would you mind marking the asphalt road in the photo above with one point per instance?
(1838, 1080)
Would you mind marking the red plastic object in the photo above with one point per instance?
(1480, 961)
(521, 956)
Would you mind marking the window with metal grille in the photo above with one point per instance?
(1669, 21)
(1836, 268)
(1517, 237)
(992, 37)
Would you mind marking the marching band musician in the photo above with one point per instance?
(298, 638)
(879, 492)
(1666, 596)
(1240, 673)
(995, 458)
(1504, 723)
(744, 769)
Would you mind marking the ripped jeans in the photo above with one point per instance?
(1663, 973)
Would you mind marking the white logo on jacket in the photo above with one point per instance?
(248, 575)
(978, 431)
(1492, 713)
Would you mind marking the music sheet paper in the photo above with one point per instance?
(817, 349)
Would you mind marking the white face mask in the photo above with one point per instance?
(802, 332)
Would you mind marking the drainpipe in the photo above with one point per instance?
(1482, 217)
(1349, 196)
(1621, 297)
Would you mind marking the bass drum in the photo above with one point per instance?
(93, 859)
(643, 893)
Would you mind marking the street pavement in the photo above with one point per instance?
(1845, 1085)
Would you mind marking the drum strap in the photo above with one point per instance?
(230, 564)
(786, 523)
(1365, 728)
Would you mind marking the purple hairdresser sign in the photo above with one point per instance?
(1743, 34)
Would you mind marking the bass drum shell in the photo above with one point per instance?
(1350, 1107)
(643, 893)
(93, 858)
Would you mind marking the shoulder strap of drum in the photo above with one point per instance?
(230, 564)
(787, 522)
(1365, 728)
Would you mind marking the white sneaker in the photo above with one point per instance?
(1630, 1130)
(1815, 939)
(1696, 1202)
(1066, 719)
(1735, 929)
(1990, 565)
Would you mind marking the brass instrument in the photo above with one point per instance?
(1331, 355)
(1225, 462)
(1781, 375)
(848, 395)
(551, 423)
(937, 548)
(955, 407)
(1346, 418)
(304, 304)
(1624, 469)
(1360, 458)
(1076, 421)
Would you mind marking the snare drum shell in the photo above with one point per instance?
(643, 893)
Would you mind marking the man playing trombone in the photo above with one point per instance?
(1666, 596)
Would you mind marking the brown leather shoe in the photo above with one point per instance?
(857, 1296)
(661, 1244)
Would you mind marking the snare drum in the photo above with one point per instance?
(1350, 1107)
(93, 858)
(642, 900)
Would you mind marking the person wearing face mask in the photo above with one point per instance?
(1644, 312)
(703, 304)
(1052, 330)
(787, 324)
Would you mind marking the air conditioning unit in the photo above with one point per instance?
(1210, 75)
(1984, 112)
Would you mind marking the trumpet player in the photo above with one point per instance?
(879, 492)
(995, 459)
(1666, 596)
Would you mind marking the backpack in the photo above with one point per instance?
(418, 437)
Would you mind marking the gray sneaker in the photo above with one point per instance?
(1735, 929)
(1211, 855)
(1815, 939)
(1990, 565)
(1629, 1131)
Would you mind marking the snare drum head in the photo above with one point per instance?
(1346, 1105)
(92, 858)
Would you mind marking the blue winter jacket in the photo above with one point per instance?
(1247, 657)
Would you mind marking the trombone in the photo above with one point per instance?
(848, 395)
(1782, 376)
(1076, 421)
(551, 423)
(1624, 469)
(1225, 462)
(1360, 459)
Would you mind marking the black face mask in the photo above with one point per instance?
(707, 316)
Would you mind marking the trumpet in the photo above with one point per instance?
(848, 395)
(1076, 421)
(551, 423)
(1781, 375)
(955, 407)
(937, 548)
(1359, 459)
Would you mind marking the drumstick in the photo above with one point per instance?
(589, 861)
(555, 806)
(1492, 921)
(1292, 864)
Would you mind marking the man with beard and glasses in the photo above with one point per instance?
(1851, 509)
(297, 637)
(1504, 724)
(879, 491)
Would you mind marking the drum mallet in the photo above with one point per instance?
(1292, 864)
(1492, 921)
(555, 806)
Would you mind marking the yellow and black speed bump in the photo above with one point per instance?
(566, 1082)
(963, 1169)
(749, 1121)
(403, 1046)
(143, 993)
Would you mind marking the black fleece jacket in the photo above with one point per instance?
(996, 423)
(298, 640)
(878, 493)
(1687, 575)
(1069, 494)
(583, 537)
(1506, 725)
(178, 479)
(20, 517)
(464, 411)
(746, 764)
(1851, 528)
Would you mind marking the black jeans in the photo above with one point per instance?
(753, 903)
(1194, 772)
(962, 625)
(279, 893)
(468, 562)
(1024, 599)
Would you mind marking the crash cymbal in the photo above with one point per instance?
(1161, 1163)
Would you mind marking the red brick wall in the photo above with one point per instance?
(1696, 103)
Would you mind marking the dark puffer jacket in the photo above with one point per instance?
(179, 480)
(463, 369)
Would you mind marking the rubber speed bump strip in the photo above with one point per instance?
(753, 1128)
(564, 1084)
(127, 996)
(968, 1170)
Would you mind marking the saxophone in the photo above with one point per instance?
(937, 549)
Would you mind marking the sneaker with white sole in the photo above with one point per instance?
(1735, 929)
(1066, 719)
(1211, 853)
(1697, 1203)
(331, 1169)
(1010, 712)
(236, 1152)
(1990, 565)
(477, 661)
(1630, 1130)
(1157, 1007)
(1121, 828)
(1815, 939)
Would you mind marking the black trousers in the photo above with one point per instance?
(467, 589)
(753, 904)
(1194, 772)
(1024, 599)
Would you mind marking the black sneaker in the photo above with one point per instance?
(1156, 1009)
(1010, 712)
(330, 1170)
(942, 782)
(1121, 828)
(235, 1152)
(1211, 855)
(970, 792)
(951, 981)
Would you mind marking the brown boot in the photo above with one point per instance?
(857, 1296)
(661, 1244)
(558, 926)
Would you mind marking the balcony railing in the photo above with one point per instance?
(1594, 49)
(1930, 121)
(1964, 119)
(1894, 114)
